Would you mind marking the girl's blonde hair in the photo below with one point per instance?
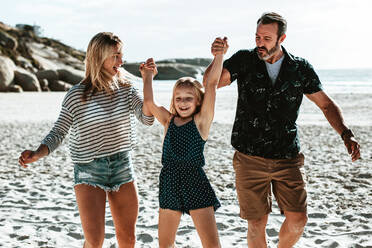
(100, 47)
(197, 88)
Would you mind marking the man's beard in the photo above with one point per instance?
(269, 53)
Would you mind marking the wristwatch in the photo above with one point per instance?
(347, 133)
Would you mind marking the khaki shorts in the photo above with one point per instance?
(256, 175)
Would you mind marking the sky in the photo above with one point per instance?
(330, 34)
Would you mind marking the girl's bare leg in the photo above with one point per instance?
(168, 225)
(205, 224)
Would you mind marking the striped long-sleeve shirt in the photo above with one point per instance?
(100, 126)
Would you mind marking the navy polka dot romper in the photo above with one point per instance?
(183, 183)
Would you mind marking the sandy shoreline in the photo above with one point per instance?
(38, 206)
(34, 107)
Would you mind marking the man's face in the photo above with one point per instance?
(267, 41)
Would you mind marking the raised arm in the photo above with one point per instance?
(148, 71)
(333, 114)
(218, 46)
(205, 117)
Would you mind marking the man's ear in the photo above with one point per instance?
(282, 38)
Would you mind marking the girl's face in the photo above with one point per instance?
(185, 101)
(114, 61)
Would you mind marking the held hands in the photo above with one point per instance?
(219, 46)
(148, 68)
(352, 147)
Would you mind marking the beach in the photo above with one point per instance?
(38, 207)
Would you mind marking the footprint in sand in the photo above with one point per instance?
(145, 238)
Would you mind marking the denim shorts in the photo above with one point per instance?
(107, 173)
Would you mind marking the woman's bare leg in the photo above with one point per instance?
(124, 211)
(91, 203)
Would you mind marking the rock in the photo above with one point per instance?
(176, 70)
(7, 67)
(57, 85)
(49, 75)
(15, 88)
(26, 80)
(43, 83)
(52, 58)
(26, 64)
(5, 26)
(169, 70)
(8, 41)
(69, 76)
(38, 55)
(195, 61)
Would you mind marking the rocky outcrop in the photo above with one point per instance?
(204, 62)
(27, 80)
(173, 69)
(70, 76)
(15, 88)
(47, 74)
(29, 62)
(44, 84)
(26, 59)
(58, 85)
(6, 72)
(8, 41)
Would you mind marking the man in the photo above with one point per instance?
(271, 85)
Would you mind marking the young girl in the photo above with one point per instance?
(100, 112)
(184, 187)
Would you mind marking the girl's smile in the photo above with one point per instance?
(185, 102)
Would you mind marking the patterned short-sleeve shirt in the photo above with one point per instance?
(266, 114)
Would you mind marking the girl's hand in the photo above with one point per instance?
(27, 157)
(148, 68)
(219, 46)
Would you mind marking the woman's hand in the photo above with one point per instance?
(148, 68)
(29, 156)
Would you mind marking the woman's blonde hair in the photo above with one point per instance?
(197, 88)
(100, 47)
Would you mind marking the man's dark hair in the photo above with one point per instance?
(272, 17)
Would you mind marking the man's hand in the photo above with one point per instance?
(219, 46)
(353, 148)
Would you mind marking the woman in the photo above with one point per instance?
(100, 112)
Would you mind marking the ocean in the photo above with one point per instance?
(356, 81)
(352, 82)
(346, 80)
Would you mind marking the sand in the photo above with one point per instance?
(38, 208)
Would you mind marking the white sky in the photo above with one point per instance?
(328, 33)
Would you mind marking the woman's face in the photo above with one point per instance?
(114, 61)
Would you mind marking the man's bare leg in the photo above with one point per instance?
(292, 228)
(256, 235)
